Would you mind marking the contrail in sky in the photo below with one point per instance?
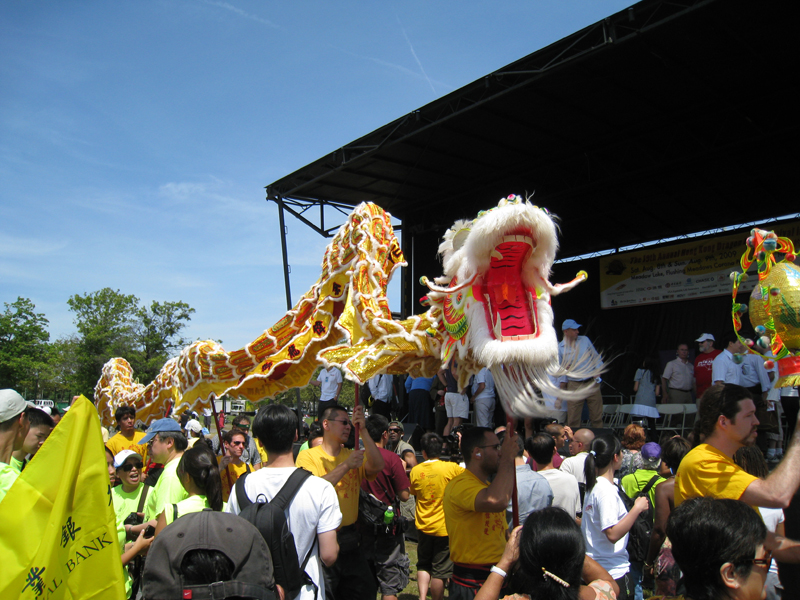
(241, 13)
(416, 58)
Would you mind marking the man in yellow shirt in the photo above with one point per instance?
(726, 422)
(475, 510)
(350, 576)
(428, 481)
(231, 466)
(128, 437)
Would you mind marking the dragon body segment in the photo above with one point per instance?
(491, 307)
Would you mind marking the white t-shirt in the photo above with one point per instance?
(484, 376)
(329, 380)
(603, 508)
(574, 466)
(772, 517)
(566, 494)
(724, 369)
(380, 388)
(314, 509)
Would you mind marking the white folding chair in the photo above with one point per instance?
(670, 414)
(610, 417)
(624, 412)
(689, 410)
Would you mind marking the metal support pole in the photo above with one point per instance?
(288, 287)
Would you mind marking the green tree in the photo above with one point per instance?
(105, 322)
(158, 335)
(23, 347)
(111, 324)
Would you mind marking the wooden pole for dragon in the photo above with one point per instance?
(355, 406)
(219, 438)
(511, 429)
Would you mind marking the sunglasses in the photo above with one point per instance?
(763, 562)
(395, 430)
(128, 467)
(240, 443)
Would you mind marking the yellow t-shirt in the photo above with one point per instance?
(705, 471)
(261, 452)
(476, 538)
(320, 463)
(118, 443)
(428, 481)
(229, 475)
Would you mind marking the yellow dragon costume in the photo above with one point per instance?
(490, 308)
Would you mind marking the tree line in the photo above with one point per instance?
(108, 323)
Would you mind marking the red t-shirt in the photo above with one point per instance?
(702, 371)
(391, 479)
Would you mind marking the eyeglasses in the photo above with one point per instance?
(128, 467)
(763, 562)
(395, 430)
(495, 446)
(343, 421)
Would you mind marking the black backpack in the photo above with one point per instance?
(270, 519)
(639, 535)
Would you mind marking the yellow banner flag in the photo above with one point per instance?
(58, 532)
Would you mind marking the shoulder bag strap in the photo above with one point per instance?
(142, 498)
(650, 484)
(241, 495)
(289, 489)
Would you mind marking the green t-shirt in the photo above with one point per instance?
(8, 475)
(16, 464)
(192, 504)
(125, 502)
(168, 490)
(637, 481)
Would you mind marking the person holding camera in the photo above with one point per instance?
(129, 497)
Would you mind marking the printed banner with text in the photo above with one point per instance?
(686, 271)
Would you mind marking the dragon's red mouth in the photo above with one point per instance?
(509, 305)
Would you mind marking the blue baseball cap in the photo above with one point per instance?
(160, 426)
(570, 324)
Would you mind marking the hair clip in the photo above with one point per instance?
(593, 453)
(556, 578)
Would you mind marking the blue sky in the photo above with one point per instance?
(136, 138)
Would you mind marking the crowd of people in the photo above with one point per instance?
(600, 516)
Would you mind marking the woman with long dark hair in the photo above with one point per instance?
(199, 475)
(546, 559)
(606, 522)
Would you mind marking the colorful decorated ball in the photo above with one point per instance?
(784, 300)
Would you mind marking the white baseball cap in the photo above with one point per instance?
(705, 337)
(193, 425)
(11, 404)
(124, 455)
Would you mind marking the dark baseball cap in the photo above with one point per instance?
(229, 534)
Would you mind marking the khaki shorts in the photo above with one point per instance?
(456, 405)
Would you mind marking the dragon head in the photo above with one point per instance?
(494, 296)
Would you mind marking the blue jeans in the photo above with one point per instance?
(636, 571)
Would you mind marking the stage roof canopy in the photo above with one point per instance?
(662, 120)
